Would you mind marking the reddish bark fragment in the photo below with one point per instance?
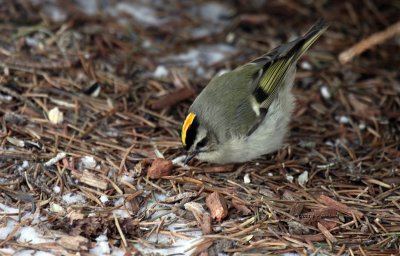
(160, 168)
(217, 205)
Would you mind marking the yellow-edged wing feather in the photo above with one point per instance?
(281, 60)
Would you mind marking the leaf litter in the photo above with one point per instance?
(93, 92)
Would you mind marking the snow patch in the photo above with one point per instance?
(74, 198)
(88, 162)
(56, 189)
(8, 228)
(303, 178)
(104, 199)
(204, 54)
(325, 92)
(102, 247)
(160, 72)
(32, 236)
(141, 13)
(171, 245)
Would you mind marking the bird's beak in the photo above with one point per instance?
(189, 157)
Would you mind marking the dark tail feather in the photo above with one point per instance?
(310, 37)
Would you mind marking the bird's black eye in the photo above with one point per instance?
(202, 143)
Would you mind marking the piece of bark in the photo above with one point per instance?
(172, 98)
(160, 168)
(339, 206)
(217, 205)
(312, 238)
(201, 216)
(311, 218)
(328, 224)
(240, 207)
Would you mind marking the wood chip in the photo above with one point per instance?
(160, 168)
(217, 205)
(90, 178)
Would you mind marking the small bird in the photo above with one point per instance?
(243, 114)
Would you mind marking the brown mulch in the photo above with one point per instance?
(89, 99)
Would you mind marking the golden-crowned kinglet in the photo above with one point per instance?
(244, 113)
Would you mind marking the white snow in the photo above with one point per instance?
(102, 247)
(305, 65)
(127, 178)
(303, 178)
(56, 189)
(88, 162)
(8, 228)
(25, 253)
(246, 178)
(6, 209)
(74, 198)
(41, 253)
(118, 252)
(214, 12)
(344, 119)
(31, 235)
(181, 246)
(123, 210)
(325, 92)
(7, 251)
(139, 12)
(290, 178)
(104, 199)
(89, 7)
(54, 12)
(24, 166)
(160, 72)
(203, 54)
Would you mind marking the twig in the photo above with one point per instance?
(369, 42)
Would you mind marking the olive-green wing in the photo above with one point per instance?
(270, 75)
(278, 62)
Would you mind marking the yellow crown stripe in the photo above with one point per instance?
(186, 124)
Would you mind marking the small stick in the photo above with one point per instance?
(172, 98)
(120, 231)
(368, 43)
